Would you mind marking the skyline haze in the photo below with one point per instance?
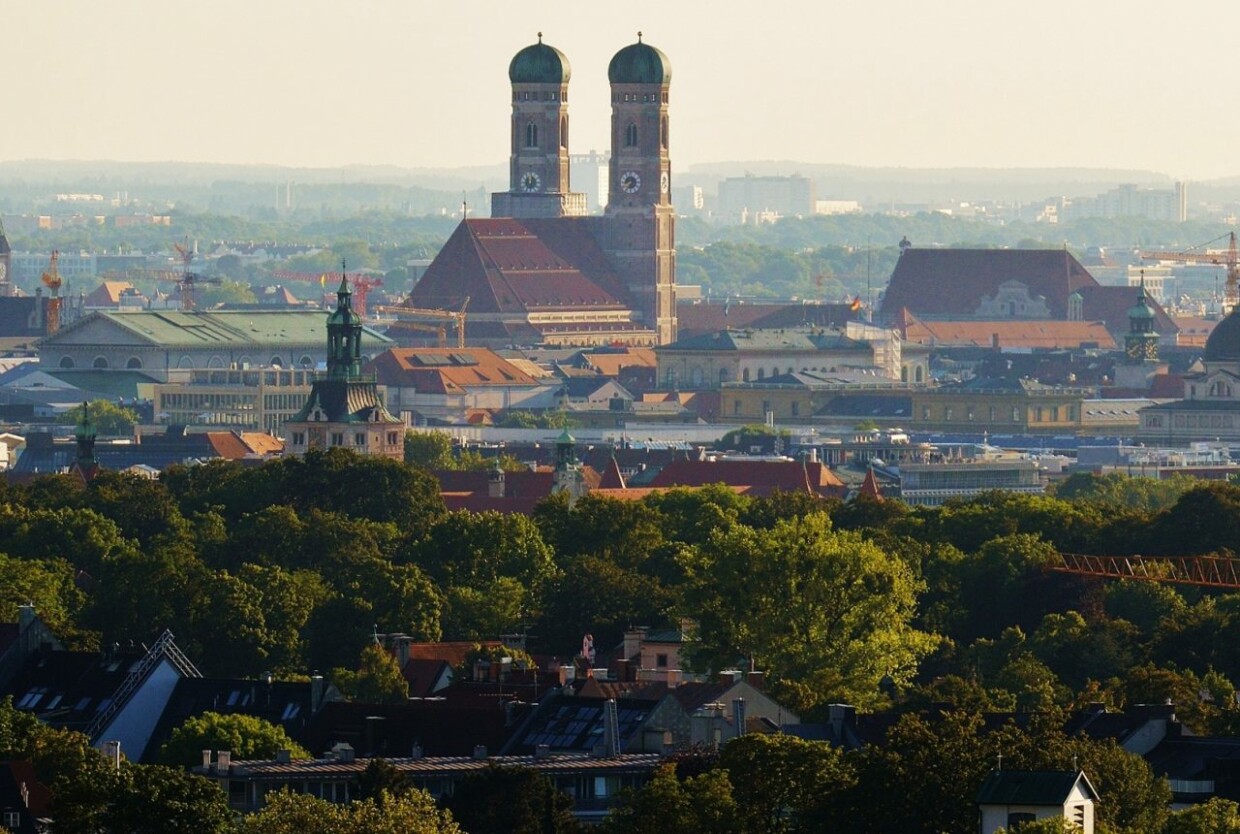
(894, 83)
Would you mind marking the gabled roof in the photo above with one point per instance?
(612, 479)
(612, 362)
(1032, 787)
(953, 282)
(445, 370)
(391, 730)
(107, 294)
(506, 265)
(1008, 334)
(703, 317)
(219, 328)
(754, 477)
(781, 339)
(22, 316)
(1111, 304)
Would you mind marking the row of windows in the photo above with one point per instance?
(648, 98)
(337, 438)
(1047, 414)
(185, 362)
(551, 96)
(1192, 421)
(794, 408)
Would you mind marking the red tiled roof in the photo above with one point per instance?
(611, 364)
(1167, 387)
(509, 265)
(445, 370)
(612, 479)
(1010, 333)
(107, 294)
(952, 282)
(451, 652)
(757, 477)
(228, 445)
(870, 486)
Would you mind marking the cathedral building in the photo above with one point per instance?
(539, 270)
(1211, 407)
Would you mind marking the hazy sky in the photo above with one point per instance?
(919, 83)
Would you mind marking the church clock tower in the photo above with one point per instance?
(538, 183)
(640, 230)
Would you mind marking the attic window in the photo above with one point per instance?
(290, 712)
(32, 698)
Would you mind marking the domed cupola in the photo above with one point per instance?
(639, 63)
(539, 63)
(1224, 342)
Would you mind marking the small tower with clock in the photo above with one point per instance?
(640, 221)
(538, 184)
(1140, 362)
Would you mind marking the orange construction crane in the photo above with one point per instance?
(407, 315)
(359, 282)
(1229, 259)
(1206, 571)
(51, 279)
(185, 280)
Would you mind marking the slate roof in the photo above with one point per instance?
(867, 405)
(783, 339)
(67, 688)
(703, 317)
(18, 315)
(441, 728)
(576, 723)
(286, 704)
(44, 455)
(351, 401)
(1031, 787)
(952, 282)
(506, 265)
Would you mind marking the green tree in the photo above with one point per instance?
(828, 614)
(50, 585)
(668, 805)
(378, 679)
(154, 799)
(245, 736)
(512, 800)
(428, 449)
(782, 783)
(110, 419)
(412, 812)
(1214, 816)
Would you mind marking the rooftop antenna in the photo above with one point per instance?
(464, 201)
(999, 766)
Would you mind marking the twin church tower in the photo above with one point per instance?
(616, 272)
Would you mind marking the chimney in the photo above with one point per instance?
(755, 679)
(633, 641)
(284, 756)
(813, 454)
(840, 716)
(480, 751)
(542, 751)
(206, 760)
(223, 761)
(738, 717)
(611, 729)
(316, 692)
(416, 751)
(372, 725)
(25, 617)
(994, 341)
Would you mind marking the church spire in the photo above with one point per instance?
(344, 334)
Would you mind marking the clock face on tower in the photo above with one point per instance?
(630, 181)
(663, 182)
(531, 181)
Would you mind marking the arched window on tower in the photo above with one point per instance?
(531, 135)
(630, 136)
(663, 132)
(564, 132)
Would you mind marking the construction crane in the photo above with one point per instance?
(51, 279)
(409, 315)
(1205, 571)
(1229, 259)
(360, 283)
(186, 279)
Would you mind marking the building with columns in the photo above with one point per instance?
(540, 270)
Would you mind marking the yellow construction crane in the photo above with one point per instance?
(1229, 259)
(51, 279)
(410, 315)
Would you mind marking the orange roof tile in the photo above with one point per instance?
(1010, 333)
(445, 370)
(611, 364)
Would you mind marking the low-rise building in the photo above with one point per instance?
(253, 399)
(1003, 405)
(932, 484)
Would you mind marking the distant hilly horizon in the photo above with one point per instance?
(872, 186)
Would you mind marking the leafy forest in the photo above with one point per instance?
(869, 603)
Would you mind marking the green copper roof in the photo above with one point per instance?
(172, 328)
(565, 437)
(639, 63)
(539, 64)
